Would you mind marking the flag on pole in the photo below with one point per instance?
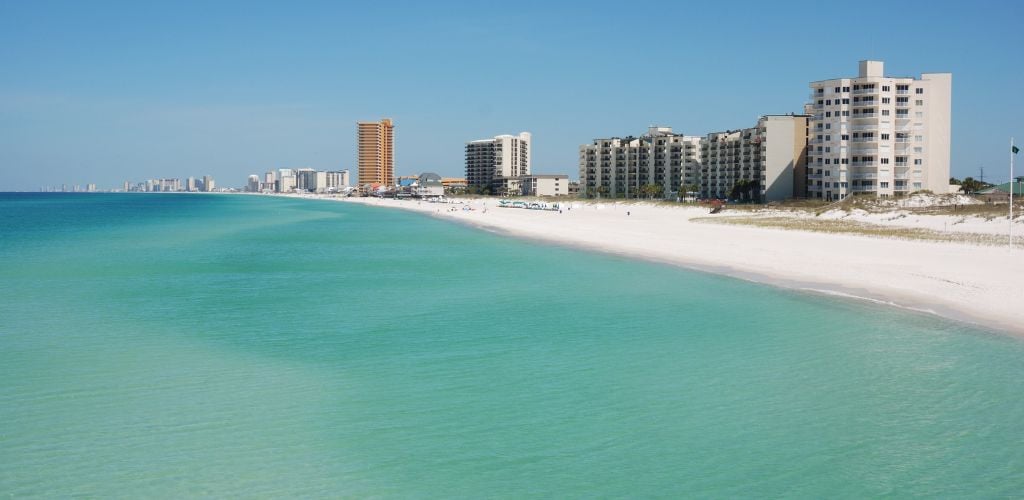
(1014, 149)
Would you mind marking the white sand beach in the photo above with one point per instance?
(976, 283)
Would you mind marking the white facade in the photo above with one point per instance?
(490, 160)
(619, 168)
(767, 160)
(879, 135)
(285, 182)
(208, 184)
(336, 180)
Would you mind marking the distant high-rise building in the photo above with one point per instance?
(91, 188)
(305, 179)
(337, 180)
(127, 186)
(878, 135)
(191, 185)
(208, 184)
(285, 182)
(253, 185)
(376, 152)
(489, 162)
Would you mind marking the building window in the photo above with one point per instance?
(846, 89)
(885, 88)
(885, 112)
(918, 138)
(846, 161)
(918, 102)
(885, 161)
(883, 185)
(828, 102)
(918, 91)
(828, 114)
(885, 137)
(846, 113)
(917, 161)
(885, 100)
(838, 89)
(845, 137)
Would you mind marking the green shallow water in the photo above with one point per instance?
(191, 345)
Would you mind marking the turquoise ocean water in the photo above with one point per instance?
(202, 345)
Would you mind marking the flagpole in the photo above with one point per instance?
(1011, 193)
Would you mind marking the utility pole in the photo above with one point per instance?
(981, 176)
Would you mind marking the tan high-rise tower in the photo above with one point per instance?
(376, 152)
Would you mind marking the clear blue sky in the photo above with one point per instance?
(110, 91)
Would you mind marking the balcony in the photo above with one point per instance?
(862, 91)
(861, 104)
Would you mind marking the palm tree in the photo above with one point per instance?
(971, 185)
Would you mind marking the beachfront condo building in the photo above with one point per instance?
(544, 185)
(337, 180)
(658, 164)
(376, 152)
(763, 163)
(879, 135)
(490, 163)
(285, 182)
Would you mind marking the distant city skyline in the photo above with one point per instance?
(108, 92)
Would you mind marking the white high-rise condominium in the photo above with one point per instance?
(337, 179)
(879, 135)
(761, 163)
(489, 162)
(285, 180)
(658, 164)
